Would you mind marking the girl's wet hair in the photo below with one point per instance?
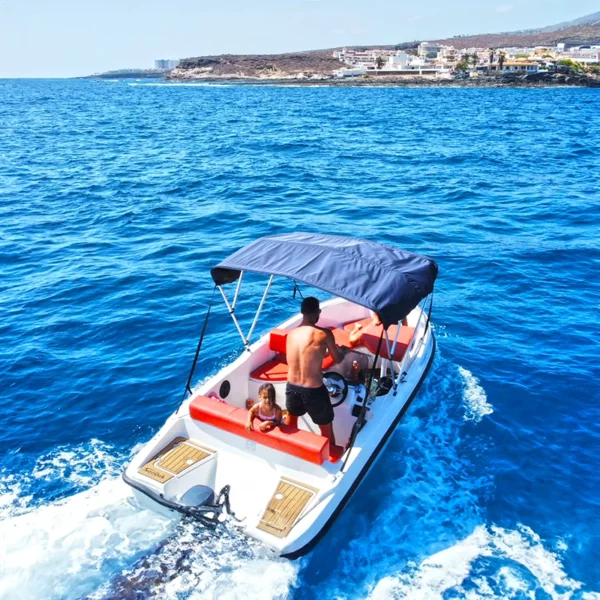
(268, 389)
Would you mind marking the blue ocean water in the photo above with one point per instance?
(116, 198)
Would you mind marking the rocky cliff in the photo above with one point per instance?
(319, 63)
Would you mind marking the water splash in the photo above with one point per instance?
(101, 544)
(492, 562)
(27, 482)
(421, 497)
(197, 564)
(67, 548)
(475, 398)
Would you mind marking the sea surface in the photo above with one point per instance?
(116, 198)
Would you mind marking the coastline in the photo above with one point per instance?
(412, 82)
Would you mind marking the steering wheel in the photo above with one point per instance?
(336, 386)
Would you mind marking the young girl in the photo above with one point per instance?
(266, 409)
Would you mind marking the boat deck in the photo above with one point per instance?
(173, 459)
(285, 505)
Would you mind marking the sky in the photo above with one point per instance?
(67, 38)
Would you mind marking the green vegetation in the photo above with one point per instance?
(463, 65)
(379, 62)
(570, 66)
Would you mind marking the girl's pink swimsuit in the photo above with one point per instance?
(264, 417)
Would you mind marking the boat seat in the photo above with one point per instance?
(302, 444)
(276, 369)
(371, 333)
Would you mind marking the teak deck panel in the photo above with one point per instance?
(173, 459)
(281, 513)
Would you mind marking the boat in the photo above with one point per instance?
(286, 487)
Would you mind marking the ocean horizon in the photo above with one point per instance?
(116, 199)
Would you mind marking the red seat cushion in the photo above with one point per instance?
(291, 440)
(371, 334)
(342, 337)
(276, 369)
(278, 340)
(272, 370)
(364, 322)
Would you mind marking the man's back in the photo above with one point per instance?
(306, 348)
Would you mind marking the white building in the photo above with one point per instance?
(429, 50)
(399, 60)
(350, 72)
(165, 64)
(586, 55)
(517, 66)
(364, 58)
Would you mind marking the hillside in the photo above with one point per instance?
(321, 63)
(585, 30)
(593, 18)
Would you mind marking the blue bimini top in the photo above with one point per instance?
(389, 281)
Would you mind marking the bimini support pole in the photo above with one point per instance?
(237, 290)
(392, 349)
(260, 307)
(231, 312)
(405, 365)
(389, 359)
(188, 384)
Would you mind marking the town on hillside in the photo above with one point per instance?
(433, 60)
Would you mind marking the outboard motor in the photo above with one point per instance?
(197, 495)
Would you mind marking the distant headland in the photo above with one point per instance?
(563, 54)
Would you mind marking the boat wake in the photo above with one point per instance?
(70, 528)
(475, 398)
(26, 483)
(100, 544)
(194, 563)
(419, 520)
(492, 562)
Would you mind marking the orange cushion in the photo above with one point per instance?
(278, 340)
(349, 327)
(370, 340)
(371, 334)
(277, 369)
(342, 337)
(272, 370)
(291, 440)
(328, 362)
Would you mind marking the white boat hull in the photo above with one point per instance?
(258, 474)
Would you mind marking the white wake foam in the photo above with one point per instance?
(100, 543)
(196, 564)
(66, 549)
(475, 398)
(72, 468)
(521, 565)
(422, 495)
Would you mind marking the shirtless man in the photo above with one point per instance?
(306, 348)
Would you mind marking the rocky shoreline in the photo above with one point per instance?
(488, 81)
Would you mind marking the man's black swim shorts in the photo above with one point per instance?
(300, 400)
